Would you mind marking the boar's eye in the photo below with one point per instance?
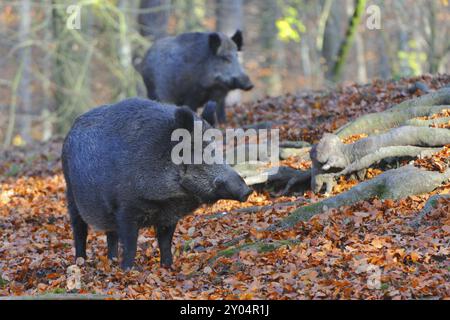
(226, 58)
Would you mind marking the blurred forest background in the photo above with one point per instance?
(54, 67)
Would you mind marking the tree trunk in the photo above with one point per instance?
(348, 40)
(403, 65)
(24, 91)
(154, 19)
(229, 15)
(270, 44)
(128, 88)
(383, 60)
(360, 54)
(331, 36)
(191, 14)
(305, 57)
(432, 51)
(48, 59)
(69, 69)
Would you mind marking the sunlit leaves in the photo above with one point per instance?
(290, 26)
(364, 251)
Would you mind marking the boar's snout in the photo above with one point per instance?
(244, 195)
(243, 82)
(233, 188)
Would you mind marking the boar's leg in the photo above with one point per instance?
(80, 231)
(209, 113)
(220, 111)
(80, 228)
(113, 244)
(165, 235)
(128, 236)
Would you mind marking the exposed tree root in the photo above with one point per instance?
(265, 155)
(419, 86)
(302, 153)
(294, 144)
(402, 136)
(430, 205)
(262, 125)
(255, 209)
(393, 184)
(374, 123)
(439, 97)
(289, 177)
(259, 246)
(275, 176)
(331, 157)
(398, 115)
(388, 152)
(274, 206)
(427, 123)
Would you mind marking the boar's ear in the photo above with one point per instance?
(214, 42)
(184, 118)
(237, 38)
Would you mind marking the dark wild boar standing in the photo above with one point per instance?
(120, 176)
(193, 68)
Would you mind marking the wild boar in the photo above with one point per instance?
(193, 68)
(120, 176)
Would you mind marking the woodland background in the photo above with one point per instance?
(49, 73)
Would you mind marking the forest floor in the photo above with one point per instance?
(364, 251)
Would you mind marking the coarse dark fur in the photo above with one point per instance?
(193, 68)
(120, 176)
